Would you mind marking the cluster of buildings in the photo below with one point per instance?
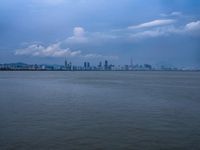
(86, 66)
(68, 66)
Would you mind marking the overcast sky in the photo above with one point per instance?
(153, 31)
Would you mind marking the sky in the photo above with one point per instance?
(157, 32)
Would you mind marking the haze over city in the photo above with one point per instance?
(35, 31)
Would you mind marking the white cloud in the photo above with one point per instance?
(157, 32)
(78, 36)
(193, 26)
(161, 28)
(53, 50)
(56, 50)
(148, 33)
(175, 14)
(79, 32)
(154, 23)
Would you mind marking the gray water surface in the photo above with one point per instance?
(100, 110)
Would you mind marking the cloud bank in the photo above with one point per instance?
(53, 50)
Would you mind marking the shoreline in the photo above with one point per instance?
(100, 70)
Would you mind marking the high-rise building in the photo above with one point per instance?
(88, 65)
(100, 64)
(131, 62)
(85, 65)
(70, 66)
(106, 65)
(66, 65)
(131, 67)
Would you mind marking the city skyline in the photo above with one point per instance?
(46, 31)
(88, 66)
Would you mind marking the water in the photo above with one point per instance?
(100, 110)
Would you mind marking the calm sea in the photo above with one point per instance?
(100, 110)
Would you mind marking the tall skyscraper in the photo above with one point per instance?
(131, 67)
(70, 65)
(131, 62)
(85, 65)
(88, 65)
(66, 65)
(106, 65)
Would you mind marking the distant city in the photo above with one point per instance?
(86, 66)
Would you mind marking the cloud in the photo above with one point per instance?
(156, 32)
(152, 29)
(53, 50)
(57, 50)
(193, 26)
(147, 34)
(161, 28)
(154, 23)
(78, 36)
(79, 32)
(172, 14)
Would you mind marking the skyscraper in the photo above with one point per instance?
(131, 62)
(100, 64)
(88, 65)
(70, 66)
(106, 65)
(66, 65)
(85, 65)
